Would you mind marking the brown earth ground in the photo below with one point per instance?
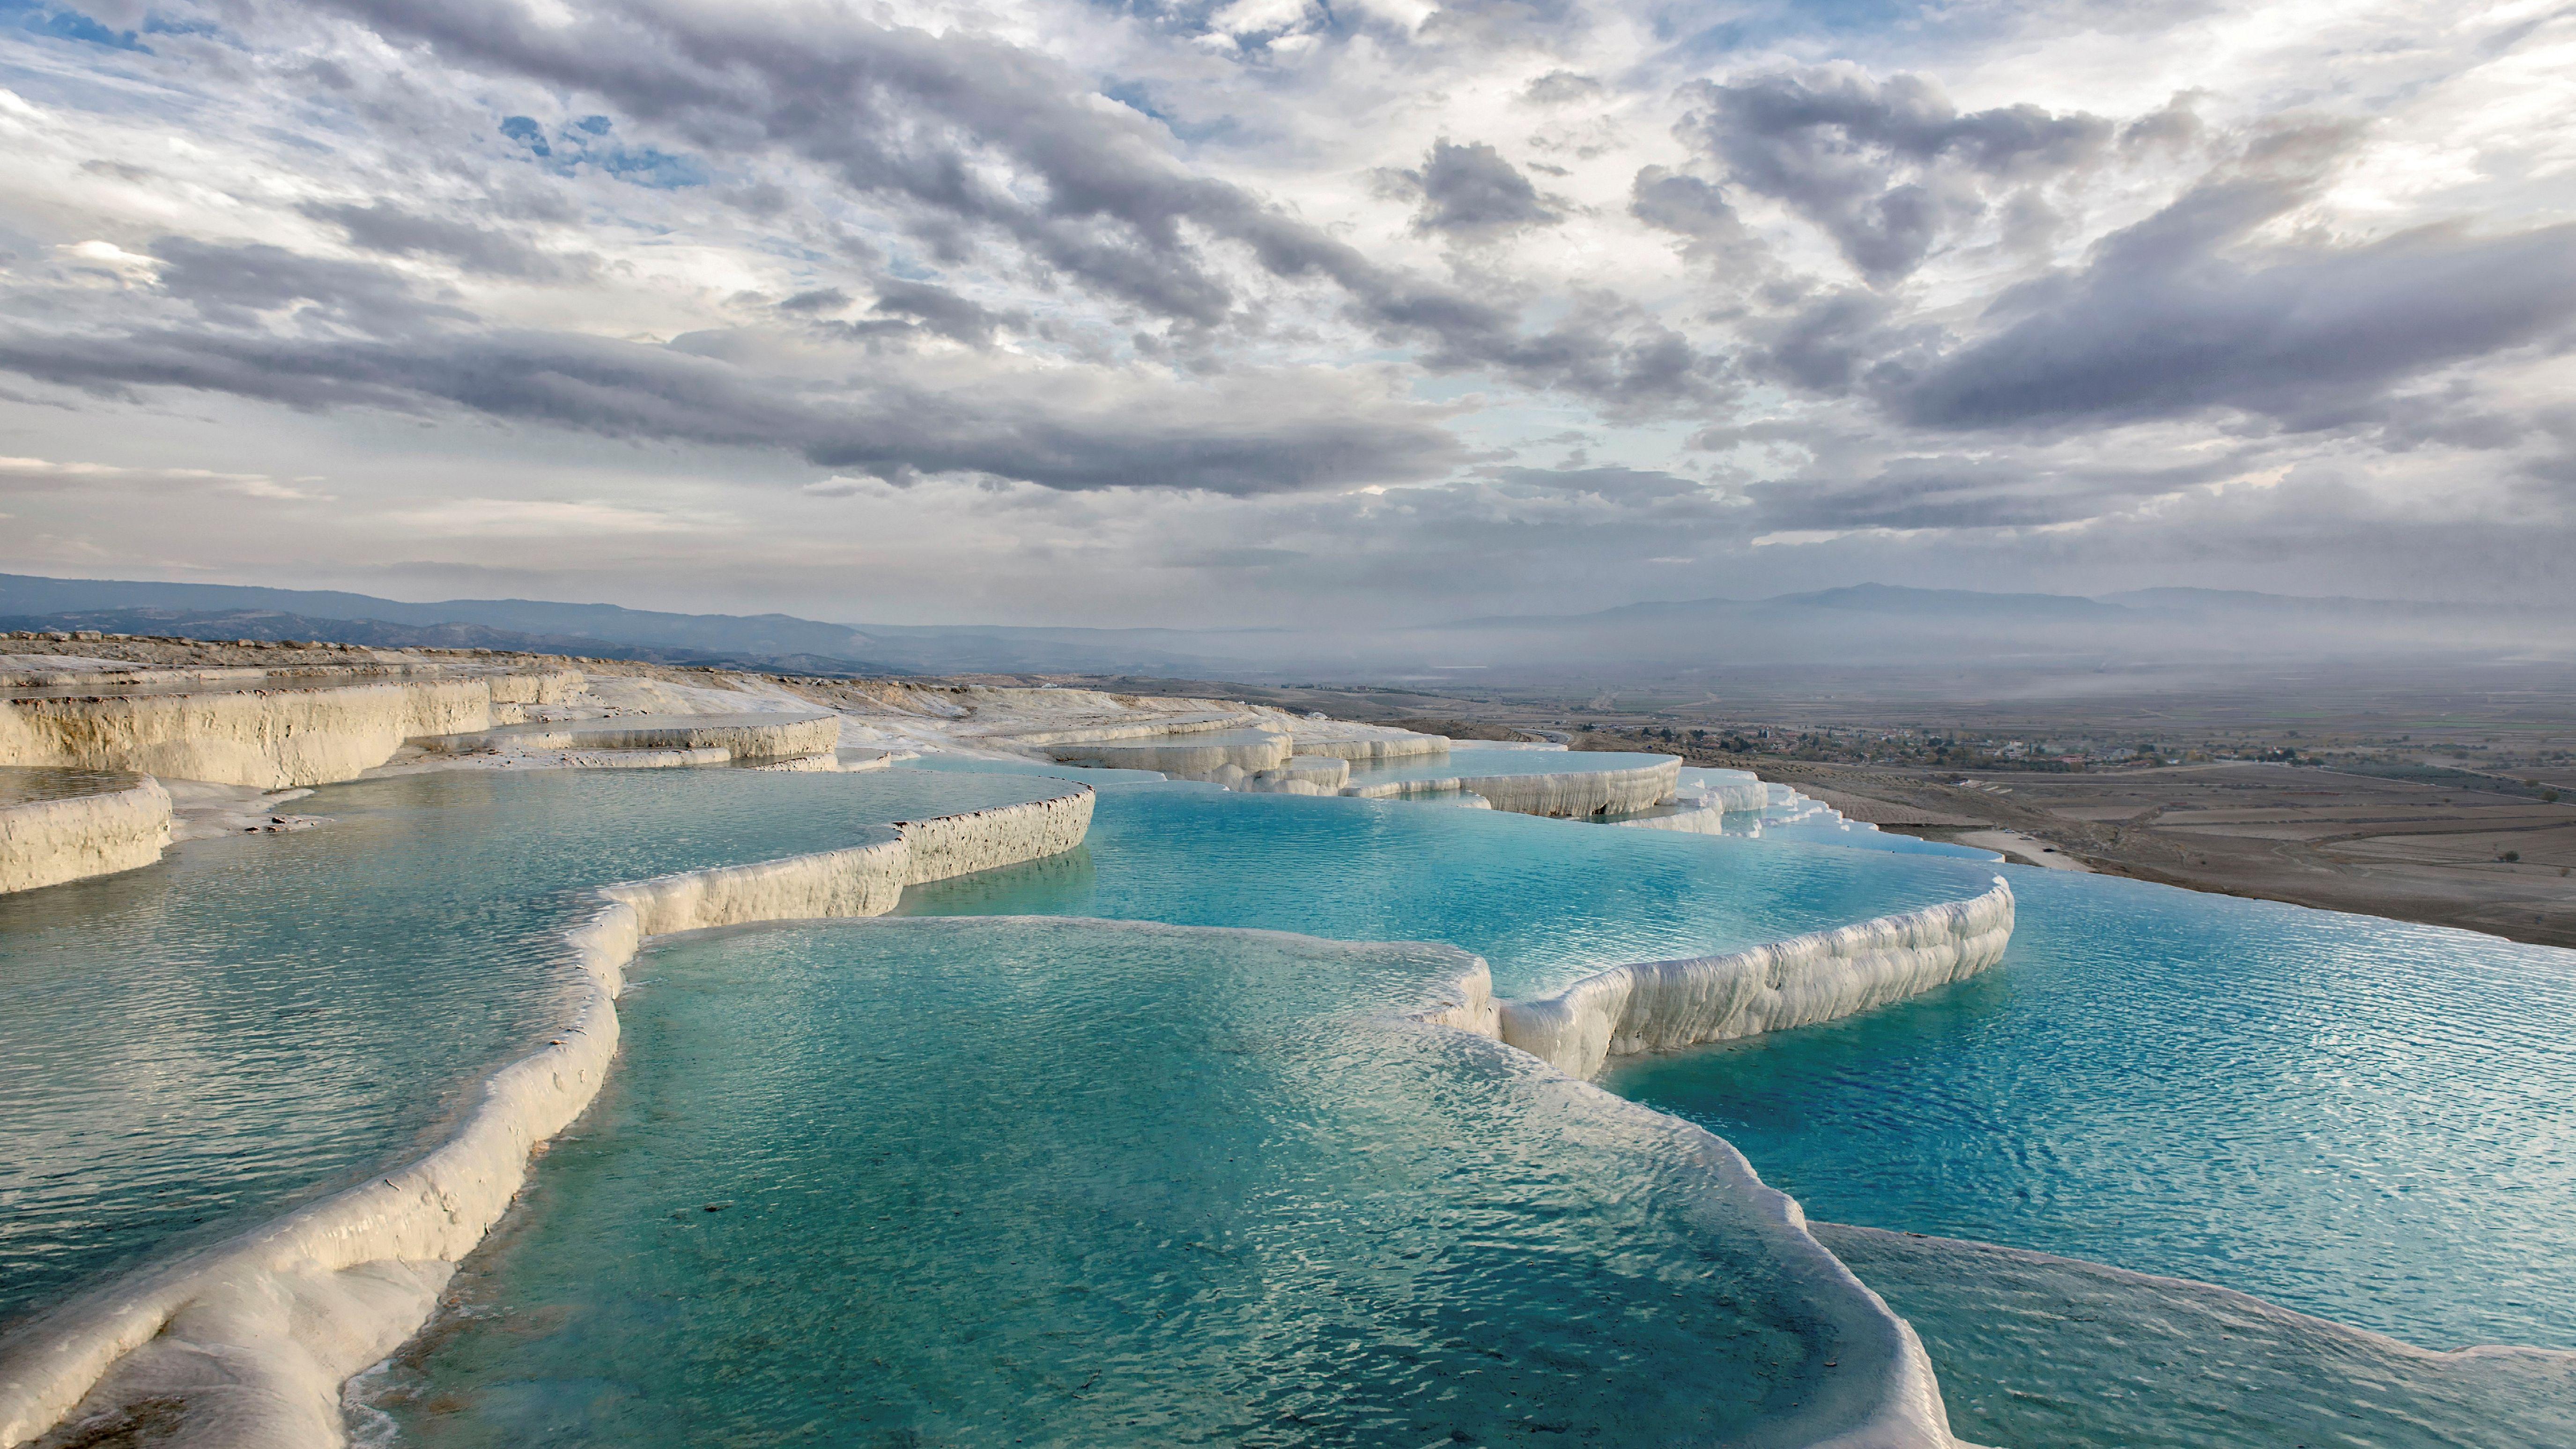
(2309, 836)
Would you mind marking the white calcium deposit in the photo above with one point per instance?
(271, 738)
(123, 826)
(1686, 818)
(248, 1343)
(253, 727)
(762, 736)
(1574, 793)
(1194, 755)
(1666, 1005)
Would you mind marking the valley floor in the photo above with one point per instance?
(2308, 836)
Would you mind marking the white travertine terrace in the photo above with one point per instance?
(1666, 1005)
(1574, 793)
(767, 736)
(1192, 756)
(1735, 794)
(122, 825)
(1362, 743)
(304, 728)
(252, 1339)
(1687, 819)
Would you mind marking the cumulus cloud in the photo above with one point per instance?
(1472, 193)
(1888, 168)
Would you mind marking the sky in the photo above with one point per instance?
(1284, 313)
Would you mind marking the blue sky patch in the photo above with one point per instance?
(587, 141)
(61, 24)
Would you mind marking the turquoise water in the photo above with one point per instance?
(1079, 1126)
(2036, 1352)
(1545, 902)
(1466, 762)
(2361, 1119)
(1067, 1183)
(191, 1046)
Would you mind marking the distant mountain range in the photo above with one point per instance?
(1866, 624)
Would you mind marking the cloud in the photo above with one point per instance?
(2169, 318)
(522, 517)
(980, 137)
(943, 311)
(1886, 168)
(1967, 492)
(1472, 193)
(236, 285)
(1696, 210)
(1095, 309)
(47, 475)
(392, 230)
(1257, 432)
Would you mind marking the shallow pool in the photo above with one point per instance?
(1545, 902)
(2357, 1118)
(255, 1020)
(1006, 1181)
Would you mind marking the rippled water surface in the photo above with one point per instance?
(2365, 1120)
(2036, 1352)
(995, 1182)
(189, 1046)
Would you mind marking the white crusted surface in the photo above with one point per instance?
(953, 845)
(769, 735)
(271, 738)
(1190, 756)
(1572, 793)
(1664, 1005)
(47, 842)
(1346, 740)
(1687, 818)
